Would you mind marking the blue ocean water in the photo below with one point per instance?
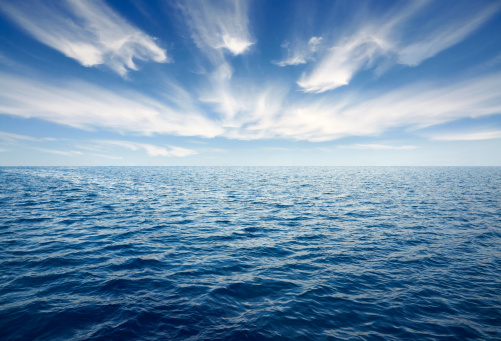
(228, 253)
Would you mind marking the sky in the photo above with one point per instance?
(250, 83)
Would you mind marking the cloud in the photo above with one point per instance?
(10, 137)
(85, 106)
(219, 28)
(213, 150)
(6, 60)
(472, 136)
(300, 53)
(341, 62)
(243, 107)
(218, 25)
(251, 111)
(361, 114)
(379, 41)
(279, 149)
(60, 152)
(376, 147)
(88, 31)
(108, 156)
(493, 61)
(151, 150)
(443, 34)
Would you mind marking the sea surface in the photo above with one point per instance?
(256, 253)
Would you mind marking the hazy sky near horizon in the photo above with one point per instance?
(136, 82)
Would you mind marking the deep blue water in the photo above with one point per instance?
(200, 253)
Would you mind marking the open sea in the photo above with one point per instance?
(250, 253)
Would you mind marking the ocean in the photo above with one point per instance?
(250, 253)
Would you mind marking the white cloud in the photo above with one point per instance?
(279, 149)
(493, 61)
(314, 42)
(244, 108)
(6, 60)
(472, 136)
(377, 41)
(443, 34)
(213, 150)
(85, 106)
(60, 152)
(341, 62)
(377, 147)
(248, 112)
(10, 137)
(151, 150)
(108, 156)
(300, 53)
(352, 114)
(86, 30)
(93, 148)
(218, 25)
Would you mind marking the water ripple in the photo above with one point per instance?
(201, 253)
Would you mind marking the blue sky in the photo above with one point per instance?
(136, 82)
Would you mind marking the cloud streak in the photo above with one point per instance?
(60, 152)
(378, 42)
(299, 53)
(151, 150)
(472, 136)
(87, 31)
(413, 107)
(248, 112)
(443, 32)
(10, 137)
(218, 25)
(219, 28)
(85, 106)
(377, 147)
(246, 107)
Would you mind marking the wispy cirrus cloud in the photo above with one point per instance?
(299, 52)
(381, 40)
(85, 106)
(88, 31)
(375, 146)
(245, 105)
(151, 150)
(442, 32)
(218, 25)
(6, 60)
(111, 157)
(213, 150)
(469, 136)
(354, 114)
(10, 137)
(280, 149)
(60, 152)
(341, 62)
(250, 112)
